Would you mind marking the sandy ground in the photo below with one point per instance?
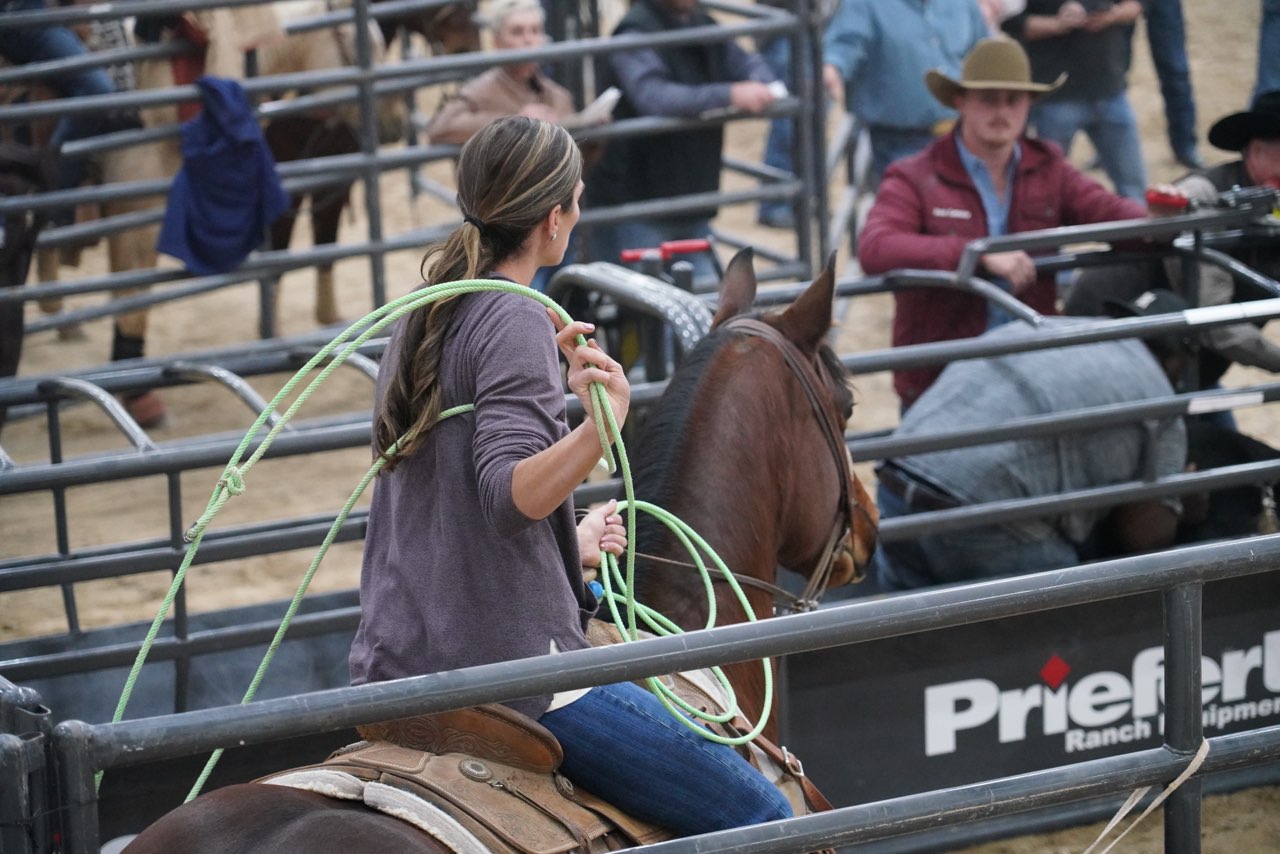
(1222, 51)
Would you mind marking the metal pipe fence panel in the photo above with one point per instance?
(82, 748)
(678, 310)
(360, 82)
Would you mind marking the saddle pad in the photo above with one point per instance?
(423, 815)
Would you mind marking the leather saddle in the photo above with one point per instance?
(495, 772)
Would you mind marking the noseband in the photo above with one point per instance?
(807, 372)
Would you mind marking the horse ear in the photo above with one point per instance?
(737, 288)
(808, 320)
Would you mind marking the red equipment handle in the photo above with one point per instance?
(671, 248)
(1167, 200)
(668, 249)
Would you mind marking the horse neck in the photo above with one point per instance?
(732, 476)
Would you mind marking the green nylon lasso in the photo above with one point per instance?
(232, 483)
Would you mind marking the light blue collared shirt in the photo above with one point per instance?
(996, 208)
(884, 47)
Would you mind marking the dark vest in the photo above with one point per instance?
(669, 164)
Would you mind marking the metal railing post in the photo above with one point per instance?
(1184, 726)
(369, 134)
(75, 769)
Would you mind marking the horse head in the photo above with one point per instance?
(801, 330)
(448, 29)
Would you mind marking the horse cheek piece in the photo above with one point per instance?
(810, 514)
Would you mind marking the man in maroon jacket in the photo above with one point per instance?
(985, 179)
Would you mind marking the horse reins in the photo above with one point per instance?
(806, 371)
(780, 596)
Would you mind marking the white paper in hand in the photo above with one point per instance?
(598, 110)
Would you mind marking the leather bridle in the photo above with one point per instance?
(809, 373)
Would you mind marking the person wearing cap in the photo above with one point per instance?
(1255, 135)
(984, 179)
(875, 54)
(1090, 42)
(977, 393)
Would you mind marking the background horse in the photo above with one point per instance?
(446, 29)
(752, 469)
(135, 249)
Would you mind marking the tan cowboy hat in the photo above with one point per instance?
(994, 63)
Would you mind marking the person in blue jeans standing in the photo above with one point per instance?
(1167, 38)
(46, 43)
(777, 151)
(1091, 43)
(1268, 49)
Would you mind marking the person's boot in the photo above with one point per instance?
(326, 297)
(145, 407)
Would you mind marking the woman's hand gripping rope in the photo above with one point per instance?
(602, 386)
(593, 376)
(601, 532)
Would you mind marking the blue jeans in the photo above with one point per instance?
(606, 242)
(890, 144)
(1268, 49)
(44, 44)
(777, 150)
(1167, 36)
(972, 554)
(1110, 126)
(621, 744)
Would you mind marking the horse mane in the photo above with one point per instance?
(664, 430)
(666, 426)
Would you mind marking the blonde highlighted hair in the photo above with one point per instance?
(511, 175)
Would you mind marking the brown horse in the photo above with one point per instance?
(746, 446)
(735, 450)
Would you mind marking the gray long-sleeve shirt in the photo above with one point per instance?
(454, 574)
(648, 82)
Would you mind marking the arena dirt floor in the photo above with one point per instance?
(1222, 44)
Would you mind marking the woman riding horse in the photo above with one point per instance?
(503, 578)
(747, 446)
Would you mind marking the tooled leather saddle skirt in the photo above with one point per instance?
(488, 778)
